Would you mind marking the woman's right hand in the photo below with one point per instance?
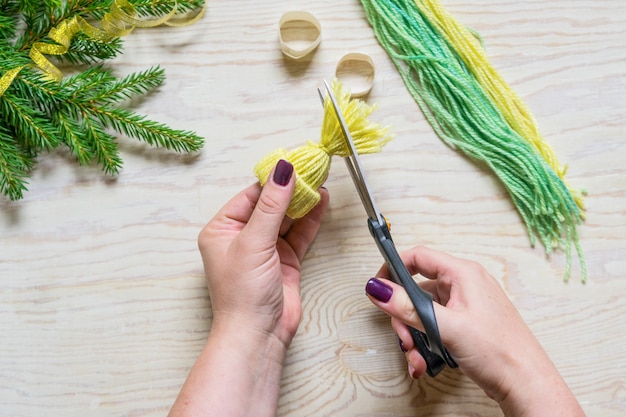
(482, 331)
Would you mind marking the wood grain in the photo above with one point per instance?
(103, 305)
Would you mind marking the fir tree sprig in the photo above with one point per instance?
(84, 50)
(83, 112)
(14, 166)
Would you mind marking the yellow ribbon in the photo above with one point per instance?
(120, 21)
(7, 79)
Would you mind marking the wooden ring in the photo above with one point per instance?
(299, 34)
(356, 71)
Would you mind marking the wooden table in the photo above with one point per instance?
(103, 304)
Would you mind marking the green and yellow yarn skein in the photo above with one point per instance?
(312, 161)
(471, 109)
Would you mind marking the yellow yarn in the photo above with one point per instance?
(514, 110)
(311, 161)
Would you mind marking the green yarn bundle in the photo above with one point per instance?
(465, 117)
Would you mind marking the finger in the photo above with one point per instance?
(232, 217)
(431, 263)
(416, 362)
(427, 262)
(393, 300)
(432, 286)
(285, 225)
(439, 267)
(383, 272)
(237, 211)
(270, 209)
(304, 230)
(404, 334)
(439, 289)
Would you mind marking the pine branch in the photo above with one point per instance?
(31, 7)
(14, 167)
(83, 86)
(144, 8)
(81, 112)
(35, 88)
(8, 23)
(88, 51)
(104, 145)
(152, 8)
(32, 129)
(75, 137)
(130, 86)
(153, 133)
(38, 24)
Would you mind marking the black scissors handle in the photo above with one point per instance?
(429, 344)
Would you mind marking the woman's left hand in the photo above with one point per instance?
(252, 253)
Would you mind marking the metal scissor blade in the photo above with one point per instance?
(354, 163)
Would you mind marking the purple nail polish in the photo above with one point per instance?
(379, 290)
(283, 172)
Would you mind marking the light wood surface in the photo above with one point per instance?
(103, 305)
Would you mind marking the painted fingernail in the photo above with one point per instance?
(283, 172)
(401, 345)
(379, 290)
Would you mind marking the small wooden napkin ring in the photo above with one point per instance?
(356, 71)
(299, 34)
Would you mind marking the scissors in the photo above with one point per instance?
(428, 343)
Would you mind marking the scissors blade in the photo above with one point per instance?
(353, 162)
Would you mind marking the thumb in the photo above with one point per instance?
(273, 202)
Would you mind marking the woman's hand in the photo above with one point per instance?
(481, 329)
(251, 254)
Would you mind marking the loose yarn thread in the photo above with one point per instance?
(312, 161)
(466, 117)
(468, 45)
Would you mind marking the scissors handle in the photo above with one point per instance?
(429, 344)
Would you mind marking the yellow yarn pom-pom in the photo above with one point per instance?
(311, 161)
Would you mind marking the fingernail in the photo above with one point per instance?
(283, 172)
(412, 372)
(401, 345)
(379, 290)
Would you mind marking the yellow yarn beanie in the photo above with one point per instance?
(311, 161)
